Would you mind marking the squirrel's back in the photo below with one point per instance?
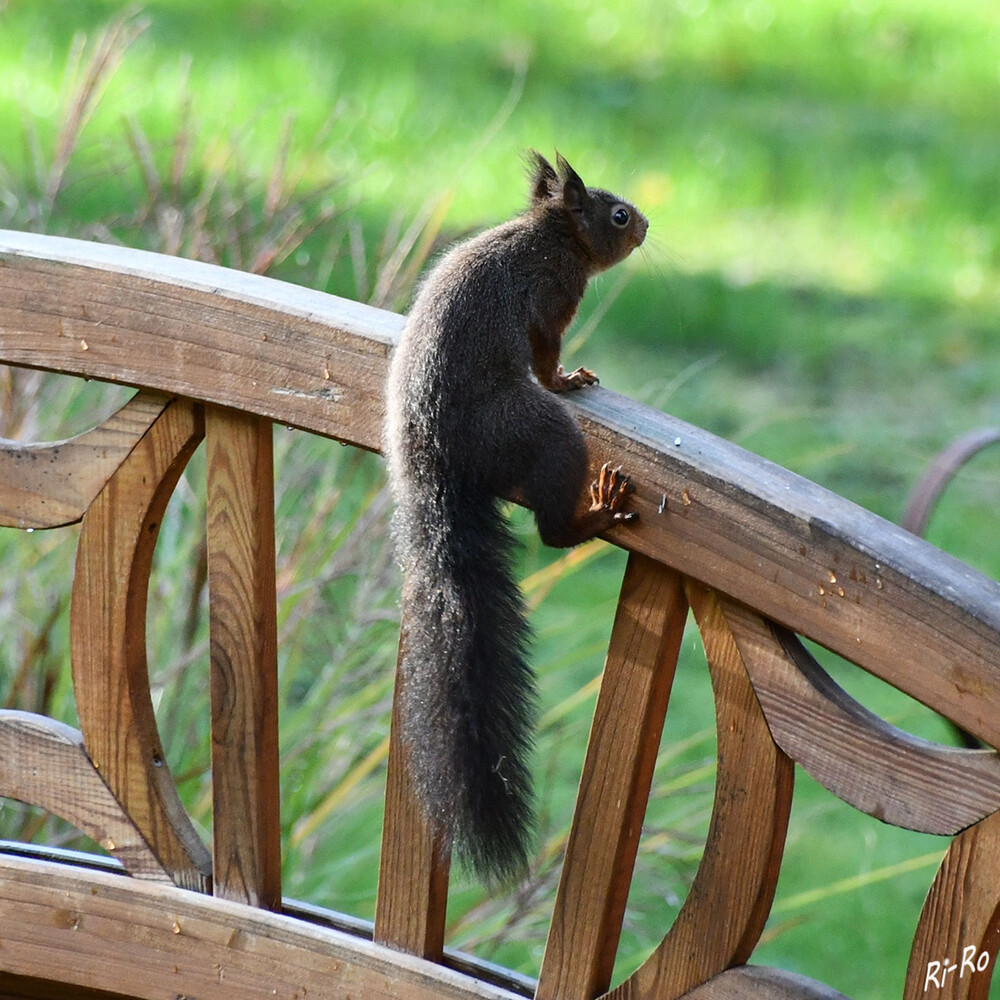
(467, 425)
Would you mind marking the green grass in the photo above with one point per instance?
(820, 284)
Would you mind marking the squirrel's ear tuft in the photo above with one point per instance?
(574, 191)
(544, 181)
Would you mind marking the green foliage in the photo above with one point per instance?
(820, 284)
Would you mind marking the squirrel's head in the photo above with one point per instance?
(606, 227)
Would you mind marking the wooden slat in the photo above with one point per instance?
(960, 921)
(156, 941)
(751, 982)
(48, 485)
(875, 767)
(43, 763)
(108, 641)
(412, 897)
(730, 898)
(801, 555)
(614, 788)
(925, 495)
(246, 826)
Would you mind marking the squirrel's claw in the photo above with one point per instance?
(573, 380)
(610, 492)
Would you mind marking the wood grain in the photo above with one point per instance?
(49, 485)
(108, 641)
(895, 605)
(412, 899)
(875, 767)
(811, 561)
(614, 788)
(43, 763)
(751, 982)
(960, 920)
(246, 828)
(770, 541)
(284, 352)
(729, 901)
(157, 941)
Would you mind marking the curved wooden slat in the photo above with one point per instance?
(728, 903)
(108, 641)
(246, 828)
(925, 495)
(43, 763)
(751, 982)
(801, 555)
(889, 774)
(50, 485)
(960, 921)
(153, 941)
(614, 788)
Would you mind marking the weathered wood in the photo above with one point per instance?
(154, 941)
(108, 641)
(210, 333)
(246, 827)
(751, 982)
(960, 921)
(889, 774)
(614, 788)
(793, 553)
(49, 485)
(412, 896)
(797, 553)
(811, 561)
(43, 763)
(728, 903)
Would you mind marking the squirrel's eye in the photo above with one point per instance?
(620, 217)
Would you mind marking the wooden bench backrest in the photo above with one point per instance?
(758, 554)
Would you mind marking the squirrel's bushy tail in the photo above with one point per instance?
(468, 692)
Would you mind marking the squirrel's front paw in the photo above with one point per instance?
(610, 492)
(573, 380)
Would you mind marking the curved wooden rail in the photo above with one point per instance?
(758, 554)
(797, 553)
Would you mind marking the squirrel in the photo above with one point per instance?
(467, 429)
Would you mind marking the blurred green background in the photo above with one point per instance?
(821, 284)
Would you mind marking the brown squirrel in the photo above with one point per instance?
(467, 428)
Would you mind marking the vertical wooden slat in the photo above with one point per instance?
(728, 903)
(614, 787)
(108, 641)
(960, 921)
(242, 623)
(413, 869)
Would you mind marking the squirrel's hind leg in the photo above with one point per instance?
(555, 487)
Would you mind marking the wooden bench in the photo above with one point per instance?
(758, 554)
